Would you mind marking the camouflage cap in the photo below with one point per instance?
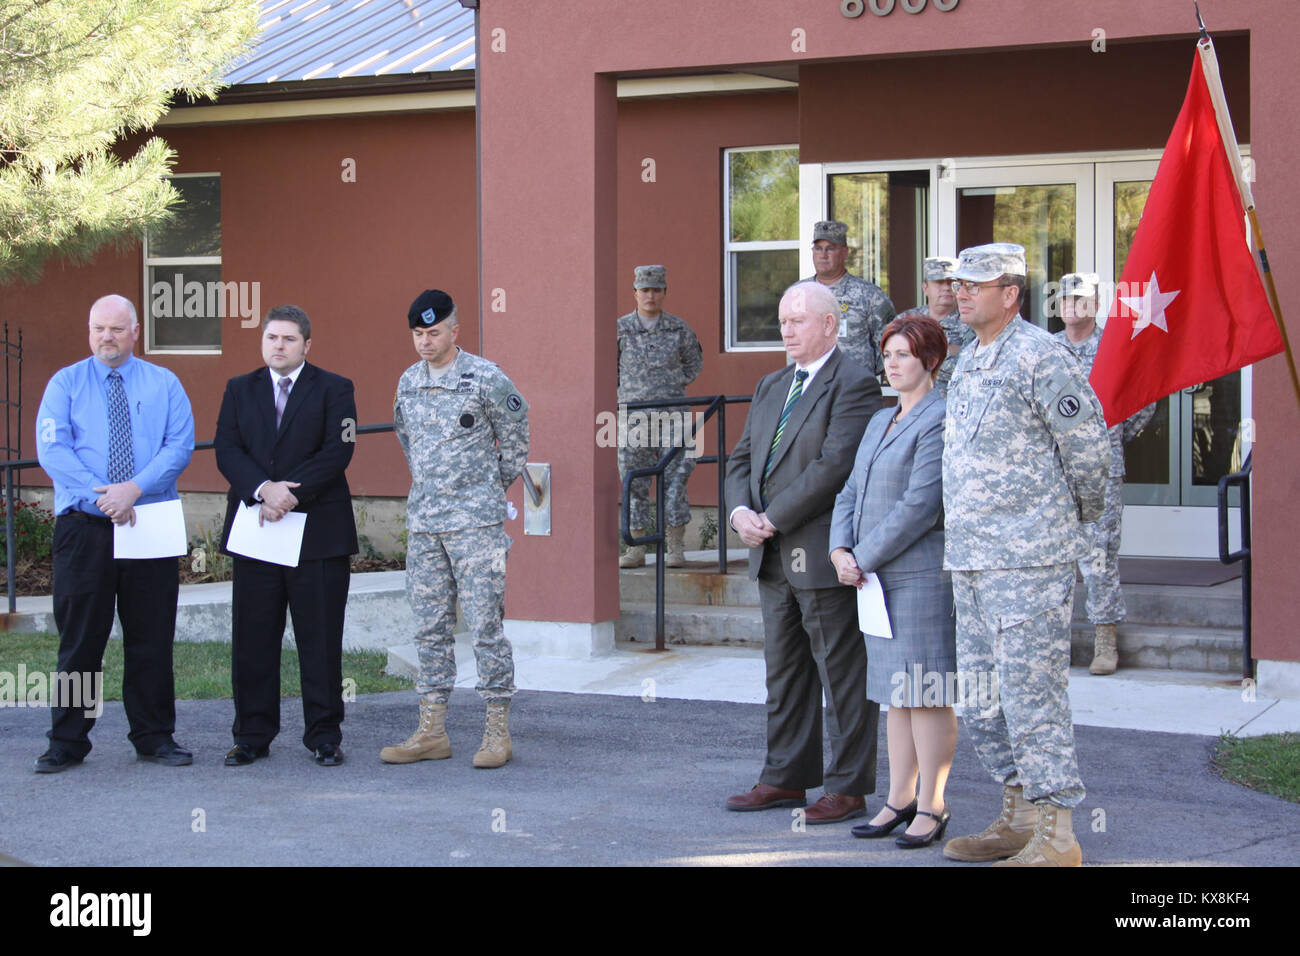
(1079, 283)
(650, 277)
(429, 308)
(832, 230)
(936, 268)
(988, 262)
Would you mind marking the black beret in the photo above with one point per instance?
(429, 308)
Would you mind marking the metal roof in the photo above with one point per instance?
(336, 39)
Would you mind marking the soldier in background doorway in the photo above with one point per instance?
(865, 310)
(1100, 569)
(941, 305)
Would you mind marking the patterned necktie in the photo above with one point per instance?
(121, 459)
(282, 398)
(795, 392)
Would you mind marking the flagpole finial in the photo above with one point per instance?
(1205, 37)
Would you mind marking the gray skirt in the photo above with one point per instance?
(918, 667)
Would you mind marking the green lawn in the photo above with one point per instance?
(202, 669)
(1269, 764)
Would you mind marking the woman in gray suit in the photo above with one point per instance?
(888, 520)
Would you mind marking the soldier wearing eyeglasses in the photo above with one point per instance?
(1024, 463)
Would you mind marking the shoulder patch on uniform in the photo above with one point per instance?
(514, 402)
(1068, 405)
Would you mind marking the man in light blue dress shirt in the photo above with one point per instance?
(113, 431)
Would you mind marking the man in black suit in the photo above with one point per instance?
(800, 439)
(285, 435)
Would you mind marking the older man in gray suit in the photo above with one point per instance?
(800, 438)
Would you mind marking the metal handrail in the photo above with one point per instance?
(716, 404)
(1242, 480)
(12, 467)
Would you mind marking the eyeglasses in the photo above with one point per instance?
(973, 288)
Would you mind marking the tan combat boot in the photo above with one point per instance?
(1053, 843)
(495, 750)
(429, 742)
(1007, 835)
(1105, 654)
(675, 550)
(633, 557)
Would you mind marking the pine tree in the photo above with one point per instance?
(76, 77)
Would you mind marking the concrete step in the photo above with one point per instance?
(712, 625)
(1170, 606)
(1217, 606)
(1212, 650)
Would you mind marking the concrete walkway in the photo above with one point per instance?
(619, 760)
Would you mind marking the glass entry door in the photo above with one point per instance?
(1195, 437)
(1047, 209)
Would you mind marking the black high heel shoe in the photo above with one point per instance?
(909, 842)
(867, 831)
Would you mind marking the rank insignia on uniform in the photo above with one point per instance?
(961, 409)
(467, 420)
(514, 403)
(1068, 406)
(427, 316)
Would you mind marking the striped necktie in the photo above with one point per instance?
(795, 392)
(121, 458)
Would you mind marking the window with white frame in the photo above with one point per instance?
(185, 299)
(760, 241)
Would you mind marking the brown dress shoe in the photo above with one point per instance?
(834, 807)
(765, 797)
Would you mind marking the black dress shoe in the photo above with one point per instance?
(55, 761)
(871, 831)
(909, 842)
(329, 755)
(241, 755)
(169, 754)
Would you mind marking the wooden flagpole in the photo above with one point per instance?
(1210, 68)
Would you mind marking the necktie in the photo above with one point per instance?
(282, 398)
(121, 459)
(795, 392)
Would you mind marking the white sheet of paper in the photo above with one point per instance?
(873, 619)
(159, 532)
(279, 542)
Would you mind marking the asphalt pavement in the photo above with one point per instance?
(596, 780)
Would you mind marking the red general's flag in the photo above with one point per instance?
(1190, 305)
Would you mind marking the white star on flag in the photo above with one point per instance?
(1150, 306)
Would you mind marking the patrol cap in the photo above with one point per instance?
(1080, 283)
(832, 230)
(987, 262)
(650, 277)
(935, 268)
(429, 308)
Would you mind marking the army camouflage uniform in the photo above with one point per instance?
(1100, 568)
(1025, 456)
(659, 363)
(958, 332)
(465, 437)
(865, 310)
